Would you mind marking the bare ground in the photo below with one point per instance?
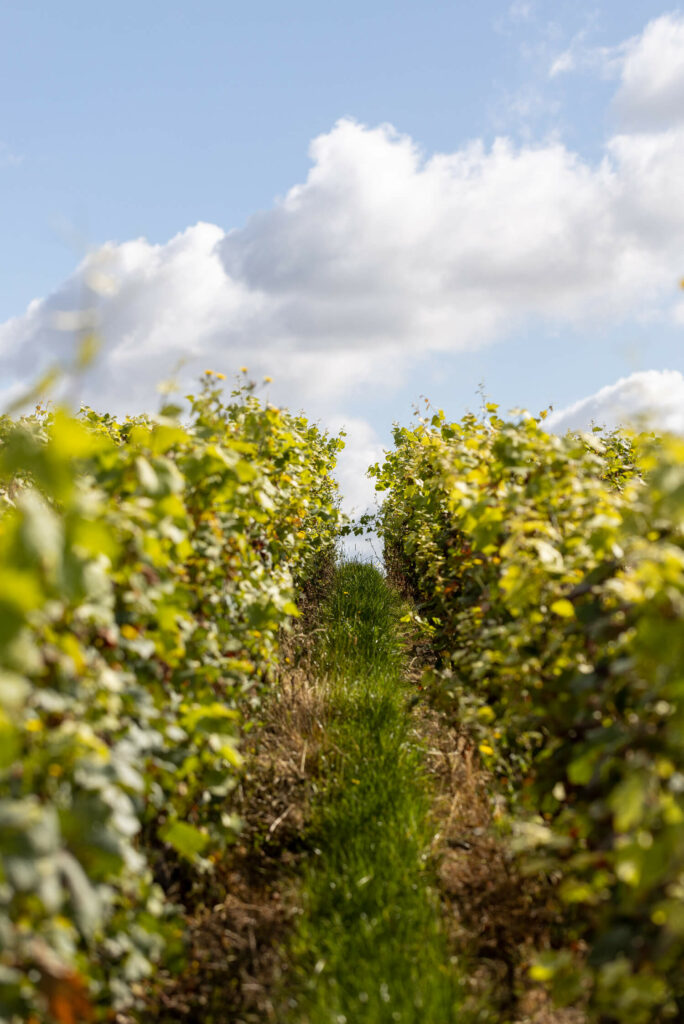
(495, 918)
(239, 923)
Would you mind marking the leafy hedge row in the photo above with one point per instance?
(550, 573)
(146, 569)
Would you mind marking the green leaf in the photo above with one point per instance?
(628, 802)
(186, 840)
(146, 475)
(581, 770)
(20, 590)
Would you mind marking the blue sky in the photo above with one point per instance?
(138, 120)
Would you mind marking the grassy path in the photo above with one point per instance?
(369, 948)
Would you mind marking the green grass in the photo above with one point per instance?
(370, 947)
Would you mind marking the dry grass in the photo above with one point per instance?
(239, 918)
(495, 917)
(239, 922)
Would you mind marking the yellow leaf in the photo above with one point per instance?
(540, 972)
(564, 608)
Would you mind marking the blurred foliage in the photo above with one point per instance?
(549, 573)
(147, 567)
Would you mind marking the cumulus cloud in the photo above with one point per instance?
(380, 255)
(149, 297)
(649, 68)
(651, 93)
(383, 248)
(652, 399)
(385, 253)
(363, 449)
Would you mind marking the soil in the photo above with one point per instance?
(495, 917)
(237, 925)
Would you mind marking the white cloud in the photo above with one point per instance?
(383, 254)
(649, 68)
(378, 256)
(651, 93)
(363, 448)
(653, 399)
(521, 10)
(564, 62)
(606, 61)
